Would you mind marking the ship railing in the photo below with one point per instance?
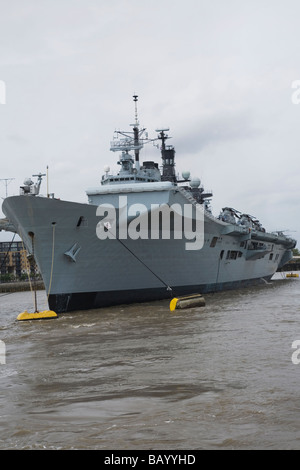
(193, 201)
(125, 145)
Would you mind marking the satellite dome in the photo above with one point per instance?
(195, 182)
(106, 168)
(28, 181)
(185, 175)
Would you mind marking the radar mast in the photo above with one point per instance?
(136, 135)
(168, 157)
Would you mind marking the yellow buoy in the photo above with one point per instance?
(37, 315)
(173, 304)
(189, 301)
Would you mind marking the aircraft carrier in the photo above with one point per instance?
(144, 234)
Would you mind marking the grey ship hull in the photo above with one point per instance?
(82, 272)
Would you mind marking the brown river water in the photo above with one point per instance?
(141, 377)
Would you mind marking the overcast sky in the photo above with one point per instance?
(218, 73)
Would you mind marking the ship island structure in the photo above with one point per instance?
(144, 234)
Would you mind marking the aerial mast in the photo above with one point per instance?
(136, 135)
(6, 182)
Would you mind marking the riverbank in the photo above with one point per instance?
(20, 286)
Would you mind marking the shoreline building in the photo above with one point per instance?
(13, 259)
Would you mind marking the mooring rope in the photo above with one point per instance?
(142, 262)
(28, 267)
